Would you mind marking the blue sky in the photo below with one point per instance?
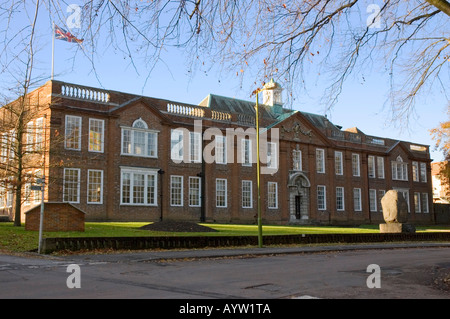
(361, 104)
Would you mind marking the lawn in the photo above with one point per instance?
(17, 239)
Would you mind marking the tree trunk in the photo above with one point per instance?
(19, 158)
(18, 206)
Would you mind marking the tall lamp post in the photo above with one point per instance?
(41, 182)
(269, 85)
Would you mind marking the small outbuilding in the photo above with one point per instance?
(57, 217)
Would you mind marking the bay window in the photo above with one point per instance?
(138, 186)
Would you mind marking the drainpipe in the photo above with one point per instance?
(202, 184)
(161, 172)
(202, 195)
(368, 186)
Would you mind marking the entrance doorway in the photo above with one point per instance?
(299, 186)
(298, 205)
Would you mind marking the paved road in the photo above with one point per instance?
(289, 273)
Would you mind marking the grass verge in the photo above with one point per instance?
(17, 239)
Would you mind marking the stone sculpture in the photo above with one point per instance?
(395, 214)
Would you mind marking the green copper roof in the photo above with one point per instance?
(226, 104)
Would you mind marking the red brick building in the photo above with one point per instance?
(119, 156)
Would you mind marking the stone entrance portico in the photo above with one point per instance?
(299, 196)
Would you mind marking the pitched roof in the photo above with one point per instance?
(227, 104)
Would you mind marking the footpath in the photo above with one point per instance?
(238, 252)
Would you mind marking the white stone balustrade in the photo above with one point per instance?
(220, 116)
(84, 93)
(185, 110)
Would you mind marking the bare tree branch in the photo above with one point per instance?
(442, 5)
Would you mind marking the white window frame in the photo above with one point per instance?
(399, 170)
(415, 171)
(12, 144)
(423, 172)
(176, 144)
(141, 171)
(77, 122)
(417, 202)
(195, 147)
(2, 197)
(340, 198)
(272, 160)
(373, 200)
(221, 193)
(321, 197)
(176, 199)
(356, 167)
(297, 160)
(66, 174)
(381, 193)
(425, 203)
(221, 149)
(371, 166)
(39, 134)
(339, 162)
(195, 193)
(9, 197)
(320, 160)
(357, 202)
(90, 184)
(30, 132)
(37, 194)
(380, 167)
(94, 125)
(149, 152)
(4, 147)
(27, 194)
(246, 148)
(247, 194)
(272, 195)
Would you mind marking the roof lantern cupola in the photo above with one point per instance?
(272, 93)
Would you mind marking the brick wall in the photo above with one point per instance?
(57, 217)
(182, 242)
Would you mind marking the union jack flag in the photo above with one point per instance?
(62, 34)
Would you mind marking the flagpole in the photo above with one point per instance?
(53, 49)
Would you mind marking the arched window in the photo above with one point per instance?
(139, 140)
(139, 123)
(399, 169)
